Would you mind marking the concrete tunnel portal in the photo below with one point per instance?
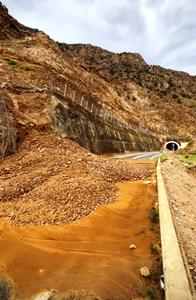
(172, 146)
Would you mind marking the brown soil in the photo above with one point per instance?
(53, 181)
(155, 97)
(192, 170)
(181, 190)
(92, 253)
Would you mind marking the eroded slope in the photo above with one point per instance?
(160, 99)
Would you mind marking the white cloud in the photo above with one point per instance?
(163, 31)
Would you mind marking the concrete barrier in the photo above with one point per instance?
(177, 285)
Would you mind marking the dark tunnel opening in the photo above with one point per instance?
(172, 146)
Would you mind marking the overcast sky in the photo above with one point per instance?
(162, 31)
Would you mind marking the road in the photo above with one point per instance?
(92, 252)
(142, 155)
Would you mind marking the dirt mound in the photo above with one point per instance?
(53, 181)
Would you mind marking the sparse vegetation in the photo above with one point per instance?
(164, 92)
(150, 288)
(175, 96)
(154, 249)
(17, 64)
(154, 215)
(10, 61)
(189, 159)
(28, 69)
(163, 157)
(179, 101)
(161, 87)
(149, 291)
(170, 82)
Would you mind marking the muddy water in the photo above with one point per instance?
(91, 253)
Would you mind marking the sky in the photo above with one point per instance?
(162, 31)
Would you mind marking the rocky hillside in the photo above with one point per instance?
(160, 99)
(46, 100)
(43, 87)
(11, 28)
(106, 102)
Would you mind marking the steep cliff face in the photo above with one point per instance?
(84, 125)
(34, 70)
(161, 99)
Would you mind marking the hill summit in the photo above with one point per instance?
(10, 27)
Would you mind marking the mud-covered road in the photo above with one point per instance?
(91, 253)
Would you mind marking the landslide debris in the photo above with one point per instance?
(52, 181)
(75, 295)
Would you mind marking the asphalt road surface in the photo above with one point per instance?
(144, 155)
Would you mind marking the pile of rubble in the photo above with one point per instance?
(53, 181)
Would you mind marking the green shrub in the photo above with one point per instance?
(170, 82)
(154, 215)
(189, 159)
(175, 96)
(148, 292)
(28, 69)
(164, 92)
(113, 71)
(179, 101)
(154, 249)
(10, 61)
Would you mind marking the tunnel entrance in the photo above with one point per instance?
(172, 146)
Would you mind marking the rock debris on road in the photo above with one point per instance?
(53, 181)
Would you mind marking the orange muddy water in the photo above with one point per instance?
(91, 253)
